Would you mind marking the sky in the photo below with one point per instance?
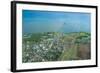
(35, 21)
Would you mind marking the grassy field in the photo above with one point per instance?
(56, 46)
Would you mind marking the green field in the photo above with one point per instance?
(56, 46)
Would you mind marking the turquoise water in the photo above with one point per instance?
(51, 21)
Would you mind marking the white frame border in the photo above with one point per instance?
(21, 65)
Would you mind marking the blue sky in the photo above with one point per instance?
(51, 21)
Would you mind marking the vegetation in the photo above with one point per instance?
(56, 46)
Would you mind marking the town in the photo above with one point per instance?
(55, 46)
